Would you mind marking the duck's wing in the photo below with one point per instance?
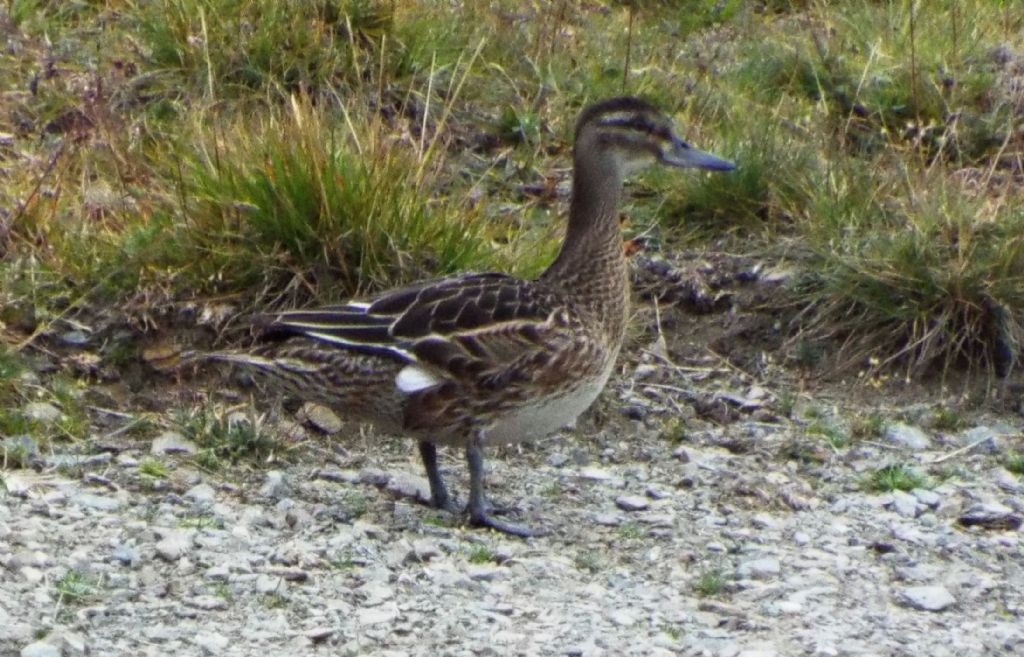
(477, 329)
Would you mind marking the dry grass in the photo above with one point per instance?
(151, 156)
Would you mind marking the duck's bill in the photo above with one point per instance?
(685, 156)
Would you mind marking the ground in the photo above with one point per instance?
(718, 500)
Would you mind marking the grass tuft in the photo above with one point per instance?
(895, 477)
(711, 583)
(227, 437)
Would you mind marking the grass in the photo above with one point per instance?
(151, 467)
(76, 588)
(895, 477)
(481, 554)
(1014, 462)
(589, 561)
(711, 583)
(155, 155)
(226, 438)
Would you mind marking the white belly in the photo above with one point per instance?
(548, 414)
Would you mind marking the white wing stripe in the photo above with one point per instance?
(334, 339)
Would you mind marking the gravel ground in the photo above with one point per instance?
(699, 539)
(696, 511)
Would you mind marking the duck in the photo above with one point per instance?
(482, 359)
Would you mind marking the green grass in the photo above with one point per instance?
(711, 583)
(895, 477)
(1014, 462)
(153, 468)
(76, 588)
(867, 426)
(223, 438)
(589, 561)
(480, 554)
(272, 152)
(834, 434)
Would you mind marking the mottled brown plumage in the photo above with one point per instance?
(484, 358)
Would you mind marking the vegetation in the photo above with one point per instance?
(76, 588)
(895, 477)
(226, 437)
(711, 583)
(153, 157)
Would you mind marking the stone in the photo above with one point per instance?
(97, 502)
(212, 643)
(75, 338)
(927, 598)
(207, 603)
(319, 634)
(1008, 481)
(632, 503)
(202, 495)
(18, 451)
(623, 617)
(175, 544)
(275, 485)
(982, 439)
(42, 412)
(759, 568)
(40, 649)
(378, 615)
(906, 435)
(125, 554)
(904, 504)
(929, 498)
(320, 417)
(423, 550)
(172, 442)
(607, 519)
(594, 474)
(991, 516)
(410, 486)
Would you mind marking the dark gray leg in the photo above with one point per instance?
(477, 506)
(439, 498)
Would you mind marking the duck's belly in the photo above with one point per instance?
(547, 414)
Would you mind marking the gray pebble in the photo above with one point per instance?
(126, 554)
(632, 503)
(175, 544)
(172, 442)
(320, 417)
(19, 450)
(212, 643)
(40, 649)
(207, 603)
(759, 568)
(202, 495)
(43, 412)
(904, 504)
(608, 519)
(929, 498)
(984, 439)
(275, 485)
(927, 598)
(75, 338)
(97, 502)
(990, 515)
(409, 485)
(908, 436)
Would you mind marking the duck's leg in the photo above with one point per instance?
(439, 498)
(478, 512)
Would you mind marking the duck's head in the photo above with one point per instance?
(631, 134)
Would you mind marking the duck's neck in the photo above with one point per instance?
(591, 266)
